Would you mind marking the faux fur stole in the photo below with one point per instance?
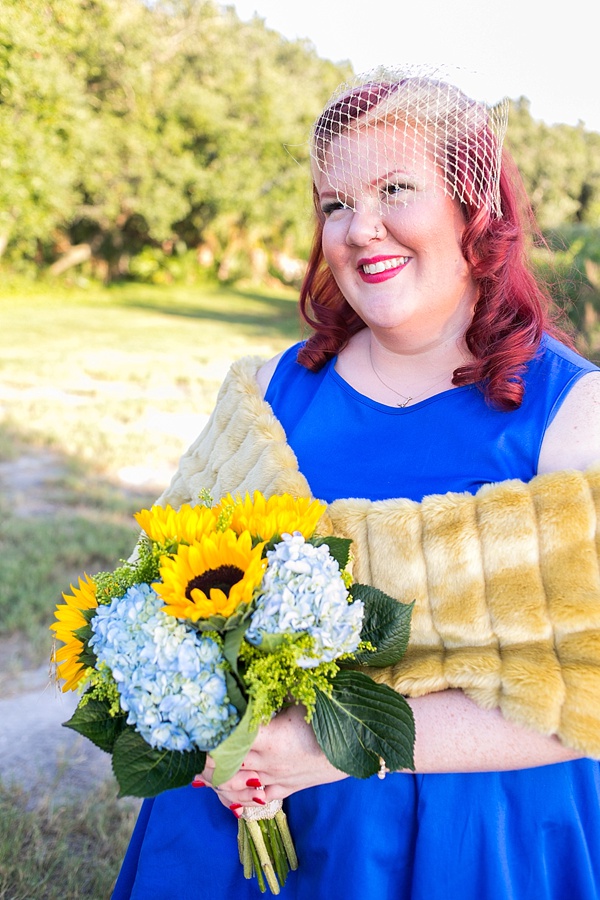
(506, 583)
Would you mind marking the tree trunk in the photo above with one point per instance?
(74, 256)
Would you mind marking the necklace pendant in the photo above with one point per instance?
(406, 402)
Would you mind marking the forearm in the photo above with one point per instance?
(453, 734)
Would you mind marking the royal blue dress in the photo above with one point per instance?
(531, 834)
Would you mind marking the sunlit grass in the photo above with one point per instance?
(116, 382)
(124, 377)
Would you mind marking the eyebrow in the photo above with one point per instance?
(394, 173)
(375, 182)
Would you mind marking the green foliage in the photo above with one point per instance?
(37, 557)
(70, 849)
(387, 626)
(145, 771)
(102, 686)
(138, 130)
(272, 674)
(560, 166)
(95, 719)
(158, 140)
(114, 584)
(571, 268)
(339, 548)
(43, 121)
(230, 753)
(362, 721)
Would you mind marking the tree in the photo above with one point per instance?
(560, 165)
(43, 116)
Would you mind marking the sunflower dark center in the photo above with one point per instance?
(223, 578)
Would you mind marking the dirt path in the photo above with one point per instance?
(35, 751)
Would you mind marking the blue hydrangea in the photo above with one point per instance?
(171, 680)
(303, 592)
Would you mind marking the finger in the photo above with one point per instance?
(241, 799)
(247, 787)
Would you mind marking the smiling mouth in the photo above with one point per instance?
(384, 264)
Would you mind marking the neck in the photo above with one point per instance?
(412, 357)
(401, 376)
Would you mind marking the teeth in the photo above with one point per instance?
(385, 264)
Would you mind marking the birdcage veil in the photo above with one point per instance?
(417, 119)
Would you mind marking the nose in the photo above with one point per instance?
(365, 226)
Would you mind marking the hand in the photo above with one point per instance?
(285, 757)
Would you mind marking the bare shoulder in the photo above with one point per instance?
(573, 439)
(265, 373)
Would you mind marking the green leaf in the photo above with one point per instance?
(83, 634)
(88, 614)
(232, 643)
(145, 771)
(386, 626)
(94, 722)
(235, 693)
(269, 545)
(362, 721)
(229, 755)
(225, 623)
(88, 658)
(338, 547)
(87, 655)
(271, 642)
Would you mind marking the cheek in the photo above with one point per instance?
(333, 243)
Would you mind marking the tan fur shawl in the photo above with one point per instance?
(506, 583)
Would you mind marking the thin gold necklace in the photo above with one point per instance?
(406, 399)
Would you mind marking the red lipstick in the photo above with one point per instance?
(381, 268)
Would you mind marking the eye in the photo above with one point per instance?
(331, 206)
(396, 188)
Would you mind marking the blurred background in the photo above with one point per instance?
(155, 220)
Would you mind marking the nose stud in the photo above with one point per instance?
(377, 231)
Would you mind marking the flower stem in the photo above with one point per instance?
(286, 837)
(245, 850)
(256, 867)
(256, 834)
(277, 851)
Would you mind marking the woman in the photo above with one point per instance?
(431, 369)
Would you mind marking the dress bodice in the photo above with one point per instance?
(348, 445)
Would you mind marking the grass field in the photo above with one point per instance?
(101, 390)
(103, 375)
(112, 385)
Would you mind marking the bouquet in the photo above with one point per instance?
(228, 613)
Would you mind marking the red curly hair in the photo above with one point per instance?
(513, 308)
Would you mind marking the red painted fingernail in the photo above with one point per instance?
(235, 807)
(198, 783)
(253, 782)
(259, 800)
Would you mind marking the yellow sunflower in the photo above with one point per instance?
(210, 577)
(280, 514)
(69, 618)
(164, 524)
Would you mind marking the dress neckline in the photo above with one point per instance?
(341, 382)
